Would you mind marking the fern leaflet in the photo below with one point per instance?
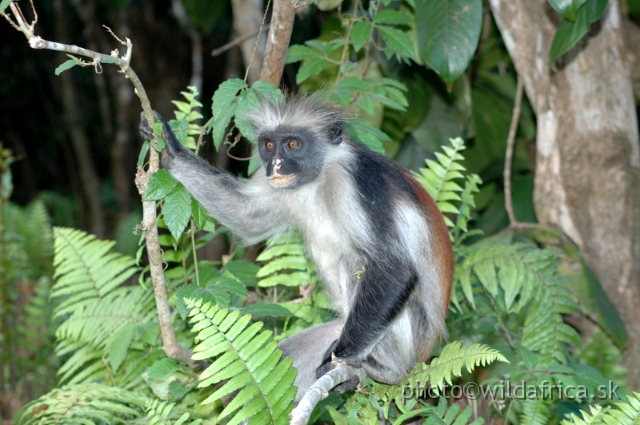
(520, 276)
(83, 405)
(247, 359)
(439, 180)
(287, 264)
(85, 269)
(620, 413)
(451, 361)
(161, 412)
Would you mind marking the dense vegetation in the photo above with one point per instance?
(533, 337)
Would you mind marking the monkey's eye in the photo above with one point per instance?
(269, 145)
(293, 144)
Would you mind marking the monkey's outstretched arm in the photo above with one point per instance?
(225, 197)
(377, 303)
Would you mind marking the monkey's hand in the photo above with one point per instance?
(327, 365)
(172, 146)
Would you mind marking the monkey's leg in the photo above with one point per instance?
(307, 349)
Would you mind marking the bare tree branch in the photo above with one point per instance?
(282, 19)
(220, 50)
(320, 390)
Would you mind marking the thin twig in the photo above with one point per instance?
(515, 118)
(257, 43)
(233, 43)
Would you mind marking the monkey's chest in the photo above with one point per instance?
(337, 263)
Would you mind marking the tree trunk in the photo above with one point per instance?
(588, 161)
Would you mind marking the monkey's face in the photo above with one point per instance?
(291, 156)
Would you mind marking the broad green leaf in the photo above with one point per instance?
(397, 40)
(4, 4)
(299, 52)
(65, 65)
(267, 309)
(268, 91)
(247, 101)
(221, 123)
(360, 34)
(177, 210)
(226, 94)
(448, 32)
(567, 8)
(223, 107)
(390, 16)
(198, 213)
(570, 32)
(160, 184)
(308, 68)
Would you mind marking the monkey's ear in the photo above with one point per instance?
(335, 133)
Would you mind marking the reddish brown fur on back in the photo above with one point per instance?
(440, 242)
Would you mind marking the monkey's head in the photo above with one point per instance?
(294, 138)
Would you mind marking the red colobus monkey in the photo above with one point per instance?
(377, 238)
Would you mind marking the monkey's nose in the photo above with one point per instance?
(277, 162)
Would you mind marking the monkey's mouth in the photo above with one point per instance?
(281, 179)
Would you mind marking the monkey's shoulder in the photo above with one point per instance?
(379, 179)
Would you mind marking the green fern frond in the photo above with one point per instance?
(101, 318)
(620, 413)
(104, 325)
(439, 180)
(247, 359)
(544, 329)
(438, 177)
(161, 412)
(187, 114)
(467, 205)
(534, 412)
(36, 234)
(83, 405)
(85, 269)
(519, 276)
(450, 363)
(594, 417)
(287, 264)
(36, 324)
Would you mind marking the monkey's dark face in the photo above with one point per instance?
(291, 156)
